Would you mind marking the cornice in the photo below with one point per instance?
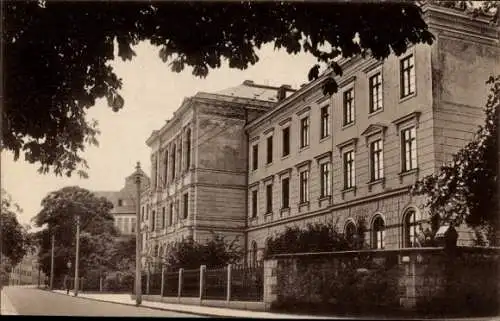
(303, 164)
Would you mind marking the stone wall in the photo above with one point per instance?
(422, 281)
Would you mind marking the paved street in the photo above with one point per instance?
(32, 301)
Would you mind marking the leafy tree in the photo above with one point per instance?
(59, 213)
(190, 254)
(57, 55)
(466, 190)
(317, 237)
(13, 235)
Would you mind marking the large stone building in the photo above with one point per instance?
(199, 167)
(250, 167)
(124, 204)
(356, 154)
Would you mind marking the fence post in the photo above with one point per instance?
(228, 294)
(162, 279)
(179, 287)
(202, 280)
(100, 284)
(147, 282)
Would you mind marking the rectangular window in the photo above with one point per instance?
(304, 132)
(349, 106)
(178, 210)
(376, 160)
(185, 202)
(173, 163)
(376, 93)
(269, 198)
(171, 215)
(407, 76)
(286, 141)
(409, 152)
(285, 193)
(163, 217)
(133, 224)
(304, 186)
(325, 173)
(142, 214)
(349, 178)
(269, 149)
(188, 149)
(120, 202)
(153, 221)
(254, 203)
(325, 122)
(255, 156)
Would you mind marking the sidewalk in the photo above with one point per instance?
(192, 309)
(6, 307)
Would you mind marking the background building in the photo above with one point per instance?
(356, 154)
(28, 272)
(124, 204)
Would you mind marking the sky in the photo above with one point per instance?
(152, 92)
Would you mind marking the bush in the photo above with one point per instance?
(119, 282)
(189, 254)
(316, 238)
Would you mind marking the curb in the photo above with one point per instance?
(145, 306)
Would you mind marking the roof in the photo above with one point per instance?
(250, 90)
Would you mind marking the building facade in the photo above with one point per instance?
(248, 166)
(356, 154)
(199, 167)
(28, 272)
(124, 204)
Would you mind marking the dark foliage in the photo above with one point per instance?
(56, 54)
(189, 254)
(466, 190)
(315, 238)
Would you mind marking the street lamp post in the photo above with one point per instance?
(77, 252)
(138, 283)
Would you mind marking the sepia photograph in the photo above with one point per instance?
(250, 159)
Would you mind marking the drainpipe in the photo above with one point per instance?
(245, 233)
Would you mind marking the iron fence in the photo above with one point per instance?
(215, 284)
(171, 284)
(155, 283)
(247, 282)
(92, 283)
(190, 283)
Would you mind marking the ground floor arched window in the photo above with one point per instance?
(410, 228)
(378, 233)
(254, 253)
(350, 231)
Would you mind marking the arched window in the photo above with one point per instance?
(410, 229)
(350, 230)
(173, 163)
(378, 233)
(253, 254)
(188, 148)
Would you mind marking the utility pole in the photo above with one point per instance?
(77, 252)
(52, 263)
(138, 283)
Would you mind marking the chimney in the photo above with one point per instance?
(282, 91)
